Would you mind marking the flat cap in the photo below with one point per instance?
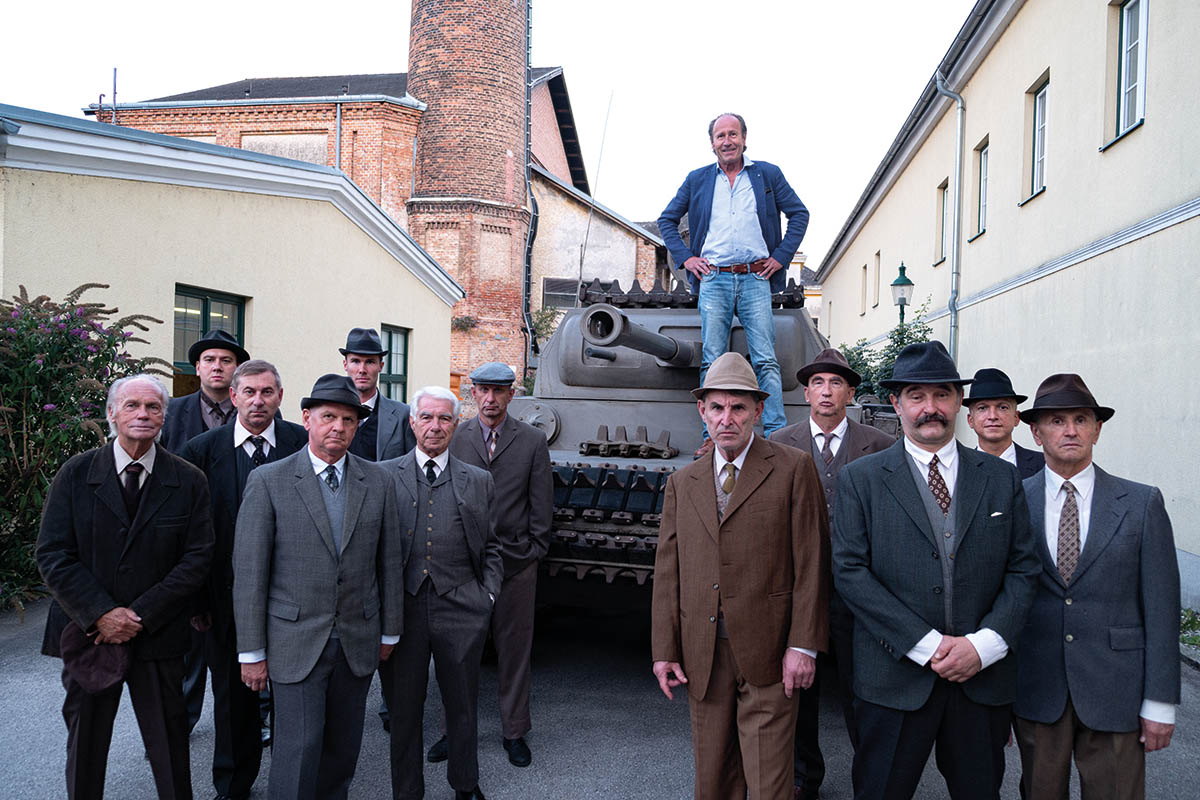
(493, 373)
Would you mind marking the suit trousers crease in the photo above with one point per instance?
(742, 735)
(237, 727)
(318, 730)
(156, 692)
(451, 628)
(1112, 766)
(512, 633)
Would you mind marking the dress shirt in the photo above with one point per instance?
(719, 462)
(439, 462)
(989, 645)
(123, 460)
(838, 434)
(206, 407)
(319, 465)
(734, 232)
(372, 402)
(241, 437)
(486, 431)
(1009, 455)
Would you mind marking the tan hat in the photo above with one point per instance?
(731, 372)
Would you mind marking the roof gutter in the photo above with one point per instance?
(956, 249)
(408, 101)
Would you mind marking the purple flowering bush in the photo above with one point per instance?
(56, 362)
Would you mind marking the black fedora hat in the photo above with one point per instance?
(217, 339)
(1064, 390)
(95, 667)
(924, 362)
(829, 360)
(364, 342)
(993, 384)
(335, 389)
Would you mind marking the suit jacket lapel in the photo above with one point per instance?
(508, 432)
(702, 495)
(1108, 509)
(760, 191)
(224, 469)
(473, 433)
(310, 494)
(356, 492)
(857, 443)
(103, 475)
(459, 480)
(969, 487)
(755, 470)
(386, 423)
(1036, 500)
(899, 481)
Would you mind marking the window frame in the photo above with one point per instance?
(1139, 10)
(1037, 172)
(207, 298)
(981, 198)
(388, 379)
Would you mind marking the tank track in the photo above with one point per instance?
(677, 297)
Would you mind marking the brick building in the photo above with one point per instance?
(441, 149)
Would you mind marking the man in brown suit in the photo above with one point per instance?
(740, 591)
(833, 440)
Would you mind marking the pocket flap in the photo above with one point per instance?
(1127, 638)
(284, 609)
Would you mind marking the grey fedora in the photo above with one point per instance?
(335, 389)
(1061, 391)
(925, 363)
(829, 360)
(731, 372)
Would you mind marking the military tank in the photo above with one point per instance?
(613, 396)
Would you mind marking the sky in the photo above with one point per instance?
(824, 86)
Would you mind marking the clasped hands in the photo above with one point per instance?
(955, 659)
(118, 626)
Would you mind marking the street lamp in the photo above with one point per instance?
(902, 291)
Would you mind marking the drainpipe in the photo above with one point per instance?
(956, 250)
(337, 140)
(531, 342)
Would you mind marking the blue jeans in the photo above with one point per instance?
(722, 295)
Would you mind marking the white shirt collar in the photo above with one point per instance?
(123, 459)
(947, 455)
(439, 462)
(1084, 482)
(1009, 455)
(320, 465)
(240, 434)
(372, 402)
(838, 433)
(719, 460)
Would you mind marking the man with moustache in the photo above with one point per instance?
(1098, 668)
(992, 414)
(453, 569)
(227, 455)
(833, 440)
(738, 255)
(740, 591)
(318, 593)
(933, 554)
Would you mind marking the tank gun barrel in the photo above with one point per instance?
(603, 325)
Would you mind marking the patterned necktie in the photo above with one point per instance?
(491, 443)
(131, 488)
(725, 487)
(937, 485)
(827, 450)
(331, 478)
(259, 457)
(1068, 534)
(430, 475)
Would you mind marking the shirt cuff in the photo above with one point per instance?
(923, 650)
(1158, 711)
(385, 639)
(805, 650)
(990, 646)
(252, 657)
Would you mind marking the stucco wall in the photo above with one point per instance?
(308, 272)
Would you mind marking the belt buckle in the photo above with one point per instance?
(739, 269)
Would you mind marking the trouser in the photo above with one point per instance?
(838, 667)
(318, 730)
(156, 691)
(237, 728)
(194, 678)
(512, 632)
(1112, 766)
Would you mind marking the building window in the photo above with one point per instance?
(1131, 65)
(876, 303)
(393, 379)
(862, 303)
(943, 222)
(198, 312)
(560, 292)
(981, 200)
(1038, 181)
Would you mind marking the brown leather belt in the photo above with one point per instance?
(742, 269)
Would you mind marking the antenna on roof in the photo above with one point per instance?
(595, 185)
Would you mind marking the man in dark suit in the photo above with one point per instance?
(737, 255)
(227, 455)
(318, 593)
(833, 441)
(125, 543)
(992, 414)
(1098, 668)
(385, 433)
(452, 570)
(933, 554)
(740, 592)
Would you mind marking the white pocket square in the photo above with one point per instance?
(997, 514)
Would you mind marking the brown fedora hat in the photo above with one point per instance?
(731, 372)
(829, 360)
(1064, 390)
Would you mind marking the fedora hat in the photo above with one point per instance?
(993, 384)
(335, 389)
(924, 362)
(1064, 390)
(731, 372)
(364, 342)
(93, 666)
(217, 339)
(829, 360)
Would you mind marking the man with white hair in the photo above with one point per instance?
(453, 568)
(125, 542)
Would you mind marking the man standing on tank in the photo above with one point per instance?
(738, 254)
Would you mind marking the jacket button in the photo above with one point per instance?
(935, 555)
(712, 619)
(715, 585)
(1070, 638)
(937, 590)
(1068, 601)
(339, 582)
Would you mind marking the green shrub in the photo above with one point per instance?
(876, 365)
(56, 362)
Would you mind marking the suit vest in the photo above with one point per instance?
(944, 527)
(439, 550)
(828, 473)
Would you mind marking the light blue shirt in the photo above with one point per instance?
(734, 233)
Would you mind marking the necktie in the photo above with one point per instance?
(827, 450)
(1068, 534)
(259, 456)
(937, 485)
(430, 475)
(331, 477)
(491, 444)
(130, 488)
(728, 479)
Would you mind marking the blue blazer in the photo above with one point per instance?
(772, 195)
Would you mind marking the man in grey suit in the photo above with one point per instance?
(1098, 667)
(452, 573)
(992, 414)
(385, 433)
(318, 593)
(934, 555)
(833, 441)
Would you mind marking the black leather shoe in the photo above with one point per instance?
(518, 752)
(266, 736)
(474, 794)
(439, 752)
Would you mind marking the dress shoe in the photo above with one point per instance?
(518, 752)
(266, 736)
(439, 752)
(231, 797)
(474, 794)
